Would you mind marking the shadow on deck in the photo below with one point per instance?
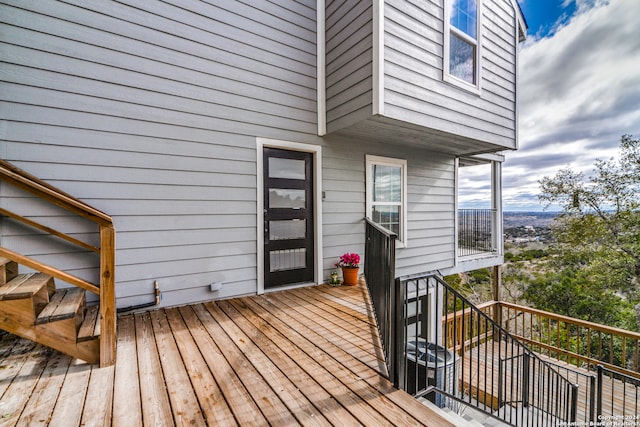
(309, 356)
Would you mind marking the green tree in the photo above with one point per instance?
(597, 264)
(474, 285)
(572, 292)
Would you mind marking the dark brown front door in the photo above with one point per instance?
(288, 217)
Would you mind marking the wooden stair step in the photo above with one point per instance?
(90, 327)
(64, 304)
(8, 270)
(25, 286)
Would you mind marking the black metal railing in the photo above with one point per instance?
(587, 396)
(617, 398)
(440, 346)
(451, 352)
(475, 231)
(379, 271)
(557, 397)
(604, 398)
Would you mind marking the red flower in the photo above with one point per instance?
(349, 260)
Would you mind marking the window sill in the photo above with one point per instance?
(461, 84)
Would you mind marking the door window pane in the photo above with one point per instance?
(286, 168)
(287, 259)
(285, 230)
(286, 198)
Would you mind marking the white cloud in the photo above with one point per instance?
(579, 92)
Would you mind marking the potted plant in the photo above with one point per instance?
(350, 264)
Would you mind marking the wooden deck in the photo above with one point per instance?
(308, 356)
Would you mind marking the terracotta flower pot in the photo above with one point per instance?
(350, 275)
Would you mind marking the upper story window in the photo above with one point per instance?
(462, 47)
(387, 194)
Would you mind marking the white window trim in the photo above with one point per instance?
(496, 160)
(448, 29)
(377, 103)
(402, 241)
(321, 71)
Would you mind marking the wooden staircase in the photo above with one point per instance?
(32, 307)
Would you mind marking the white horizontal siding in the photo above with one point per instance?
(348, 58)
(149, 111)
(431, 203)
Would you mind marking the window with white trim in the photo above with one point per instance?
(462, 46)
(387, 194)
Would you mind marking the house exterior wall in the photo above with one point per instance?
(431, 203)
(150, 112)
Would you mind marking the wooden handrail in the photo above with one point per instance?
(52, 271)
(48, 230)
(573, 321)
(460, 313)
(35, 186)
(572, 355)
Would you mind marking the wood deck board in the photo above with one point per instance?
(344, 379)
(42, 401)
(319, 366)
(288, 392)
(14, 354)
(212, 402)
(316, 337)
(271, 405)
(126, 384)
(240, 402)
(96, 412)
(353, 341)
(285, 358)
(156, 409)
(288, 363)
(343, 320)
(70, 403)
(185, 407)
(17, 394)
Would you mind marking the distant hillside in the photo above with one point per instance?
(535, 219)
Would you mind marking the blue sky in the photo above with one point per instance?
(579, 92)
(544, 15)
